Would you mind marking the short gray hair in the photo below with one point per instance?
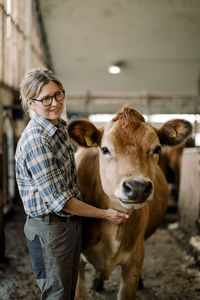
(33, 82)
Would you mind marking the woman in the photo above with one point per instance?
(46, 178)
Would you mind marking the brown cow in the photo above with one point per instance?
(170, 163)
(117, 167)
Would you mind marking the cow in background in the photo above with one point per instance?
(170, 163)
(117, 167)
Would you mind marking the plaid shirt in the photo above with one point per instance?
(45, 168)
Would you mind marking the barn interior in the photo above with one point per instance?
(145, 54)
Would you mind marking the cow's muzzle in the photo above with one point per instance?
(137, 191)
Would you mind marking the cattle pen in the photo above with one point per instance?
(156, 47)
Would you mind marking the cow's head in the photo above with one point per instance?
(129, 151)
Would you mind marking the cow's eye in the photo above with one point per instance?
(105, 150)
(157, 150)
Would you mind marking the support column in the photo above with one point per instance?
(2, 239)
(28, 33)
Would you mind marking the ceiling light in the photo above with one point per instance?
(112, 69)
(115, 68)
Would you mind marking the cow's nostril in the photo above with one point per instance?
(128, 189)
(148, 188)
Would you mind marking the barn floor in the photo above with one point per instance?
(170, 272)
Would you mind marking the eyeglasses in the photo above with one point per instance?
(46, 101)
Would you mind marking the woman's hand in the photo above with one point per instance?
(115, 216)
(77, 207)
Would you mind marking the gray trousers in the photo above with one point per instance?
(55, 244)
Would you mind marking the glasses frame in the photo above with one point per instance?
(50, 98)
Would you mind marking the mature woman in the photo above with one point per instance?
(46, 178)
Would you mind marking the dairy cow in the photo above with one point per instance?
(117, 167)
(170, 163)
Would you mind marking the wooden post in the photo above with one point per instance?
(28, 59)
(189, 194)
(86, 104)
(2, 240)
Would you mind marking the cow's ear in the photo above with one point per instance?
(84, 133)
(174, 132)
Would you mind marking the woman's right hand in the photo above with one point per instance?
(116, 216)
(79, 208)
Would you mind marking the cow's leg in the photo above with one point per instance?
(131, 272)
(80, 287)
(140, 283)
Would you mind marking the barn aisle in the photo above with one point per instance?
(169, 271)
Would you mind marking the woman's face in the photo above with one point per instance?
(53, 111)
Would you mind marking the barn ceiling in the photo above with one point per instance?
(158, 41)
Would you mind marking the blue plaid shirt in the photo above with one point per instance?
(45, 168)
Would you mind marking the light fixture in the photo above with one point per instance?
(115, 67)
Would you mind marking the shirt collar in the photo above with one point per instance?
(48, 126)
